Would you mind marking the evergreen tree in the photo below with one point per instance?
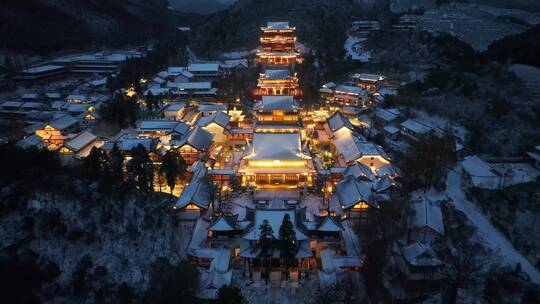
(230, 295)
(96, 163)
(117, 166)
(141, 169)
(173, 167)
(428, 160)
(266, 240)
(287, 243)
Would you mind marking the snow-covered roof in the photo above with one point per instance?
(482, 175)
(29, 96)
(329, 85)
(157, 125)
(343, 89)
(202, 85)
(204, 67)
(158, 80)
(63, 122)
(427, 214)
(370, 149)
(350, 191)
(330, 262)
(98, 82)
(347, 145)
(76, 97)
(278, 26)
(163, 74)
(59, 104)
(198, 138)
(32, 105)
(276, 74)
(210, 282)
(12, 104)
(78, 107)
(338, 121)
(197, 193)
(328, 223)
(209, 107)
(156, 91)
(186, 74)
(366, 76)
(419, 255)
(387, 115)
(175, 70)
(276, 146)
(278, 102)
(80, 141)
(384, 183)
(386, 170)
(31, 141)
(415, 126)
(127, 144)
(391, 130)
(217, 275)
(223, 223)
(359, 170)
(175, 107)
(53, 95)
(43, 68)
(219, 118)
(275, 219)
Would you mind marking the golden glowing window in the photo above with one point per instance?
(192, 207)
(360, 206)
(65, 150)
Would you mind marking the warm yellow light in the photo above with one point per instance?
(276, 163)
(130, 92)
(192, 207)
(361, 206)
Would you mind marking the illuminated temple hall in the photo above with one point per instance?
(277, 160)
(278, 43)
(277, 110)
(277, 82)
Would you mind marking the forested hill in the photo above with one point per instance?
(320, 24)
(521, 48)
(42, 26)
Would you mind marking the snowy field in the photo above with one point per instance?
(354, 48)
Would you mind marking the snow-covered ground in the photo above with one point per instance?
(353, 46)
(530, 75)
(504, 252)
(237, 54)
(515, 173)
(477, 27)
(125, 237)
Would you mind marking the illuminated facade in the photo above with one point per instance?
(277, 82)
(277, 110)
(276, 160)
(278, 42)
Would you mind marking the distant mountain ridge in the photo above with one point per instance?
(201, 6)
(42, 26)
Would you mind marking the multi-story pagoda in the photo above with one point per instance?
(278, 44)
(277, 82)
